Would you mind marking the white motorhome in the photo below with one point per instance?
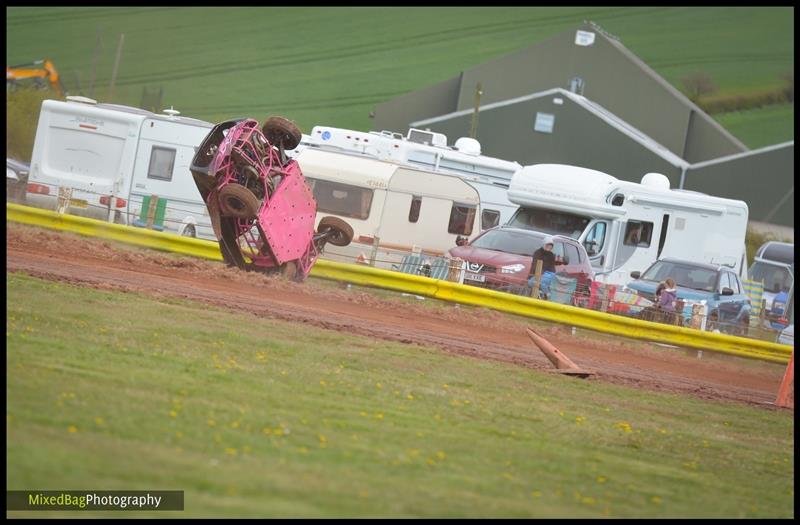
(405, 208)
(626, 226)
(429, 151)
(113, 160)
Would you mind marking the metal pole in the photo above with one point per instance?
(116, 68)
(97, 45)
(473, 131)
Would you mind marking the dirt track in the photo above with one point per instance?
(477, 333)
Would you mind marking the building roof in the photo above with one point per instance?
(592, 107)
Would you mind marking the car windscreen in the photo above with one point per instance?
(509, 242)
(776, 278)
(684, 275)
(552, 222)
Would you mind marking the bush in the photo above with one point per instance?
(22, 117)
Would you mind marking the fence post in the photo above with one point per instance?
(537, 279)
(603, 298)
(151, 211)
(373, 255)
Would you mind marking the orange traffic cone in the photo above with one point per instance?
(786, 391)
(563, 364)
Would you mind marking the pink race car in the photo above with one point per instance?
(261, 208)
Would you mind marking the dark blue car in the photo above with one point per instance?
(728, 303)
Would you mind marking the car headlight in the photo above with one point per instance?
(512, 268)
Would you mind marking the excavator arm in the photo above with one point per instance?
(41, 69)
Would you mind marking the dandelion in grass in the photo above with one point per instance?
(231, 451)
(99, 421)
(410, 397)
(601, 479)
(536, 493)
(441, 455)
(172, 413)
(72, 429)
(656, 500)
(212, 423)
(624, 426)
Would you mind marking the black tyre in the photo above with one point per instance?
(228, 244)
(341, 232)
(237, 201)
(289, 270)
(189, 231)
(282, 131)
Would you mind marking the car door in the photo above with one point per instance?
(739, 297)
(728, 309)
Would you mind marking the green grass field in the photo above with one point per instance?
(761, 127)
(253, 417)
(334, 65)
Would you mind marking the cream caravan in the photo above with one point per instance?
(113, 159)
(392, 208)
(626, 226)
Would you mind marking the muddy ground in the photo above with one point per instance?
(474, 332)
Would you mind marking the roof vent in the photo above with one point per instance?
(656, 180)
(469, 146)
(82, 100)
(171, 112)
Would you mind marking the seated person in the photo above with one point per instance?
(669, 295)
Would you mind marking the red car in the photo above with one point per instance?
(500, 258)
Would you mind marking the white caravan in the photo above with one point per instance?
(626, 226)
(113, 159)
(429, 151)
(406, 209)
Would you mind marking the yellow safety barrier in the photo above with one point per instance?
(427, 287)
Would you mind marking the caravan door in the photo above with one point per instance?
(162, 177)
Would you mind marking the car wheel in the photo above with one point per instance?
(237, 201)
(342, 233)
(289, 270)
(189, 231)
(282, 131)
(228, 245)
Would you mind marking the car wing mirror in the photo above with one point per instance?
(727, 291)
(461, 240)
(636, 274)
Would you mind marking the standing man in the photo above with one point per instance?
(548, 258)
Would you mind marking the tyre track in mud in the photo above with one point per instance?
(480, 334)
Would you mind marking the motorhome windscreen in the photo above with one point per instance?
(776, 278)
(684, 275)
(509, 242)
(341, 199)
(549, 221)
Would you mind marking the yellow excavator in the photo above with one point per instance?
(38, 71)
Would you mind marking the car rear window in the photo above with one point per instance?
(509, 242)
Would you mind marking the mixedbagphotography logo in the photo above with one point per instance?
(94, 500)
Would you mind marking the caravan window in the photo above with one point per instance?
(341, 199)
(489, 219)
(161, 162)
(638, 233)
(413, 212)
(462, 217)
(550, 221)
